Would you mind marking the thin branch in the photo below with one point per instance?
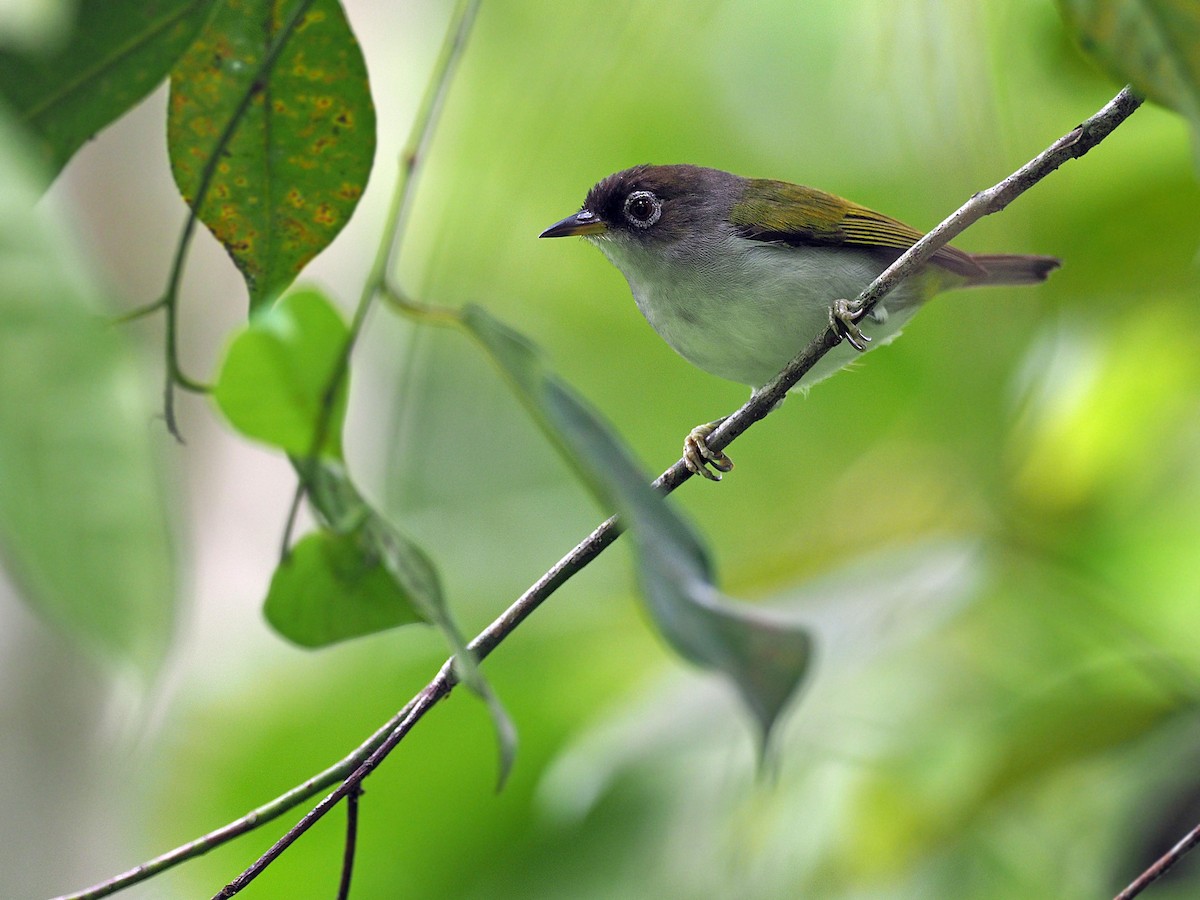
(1172, 856)
(1072, 145)
(140, 312)
(351, 842)
(419, 137)
(259, 816)
(170, 298)
(421, 704)
(376, 749)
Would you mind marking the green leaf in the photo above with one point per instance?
(274, 378)
(765, 656)
(295, 168)
(1152, 44)
(332, 588)
(343, 509)
(118, 51)
(84, 532)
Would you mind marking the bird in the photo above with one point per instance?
(739, 274)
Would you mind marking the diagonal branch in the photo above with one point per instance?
(1189, 842)
(355, 767)
(1072, 145)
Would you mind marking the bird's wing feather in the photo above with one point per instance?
(801, 216)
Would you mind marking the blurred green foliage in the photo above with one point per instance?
(991, 523)
(94, 558)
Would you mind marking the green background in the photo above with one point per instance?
(992, 524)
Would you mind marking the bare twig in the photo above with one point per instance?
(1070, 146)
(251, 820)
(351, 842)
(1074, 144)
(421, 704)
(375, 750)
(1190, 841)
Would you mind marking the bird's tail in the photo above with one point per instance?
(1012, 268)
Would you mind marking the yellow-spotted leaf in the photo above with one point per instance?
(292, 173)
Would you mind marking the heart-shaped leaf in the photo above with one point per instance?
(332, 587)
(273, 382)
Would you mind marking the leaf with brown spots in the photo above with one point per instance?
(298, 163)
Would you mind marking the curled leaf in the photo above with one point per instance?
(766, 657)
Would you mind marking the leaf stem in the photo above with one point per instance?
(418, 140)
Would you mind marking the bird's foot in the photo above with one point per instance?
(698, 457)
(844, 316)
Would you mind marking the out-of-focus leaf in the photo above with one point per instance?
(345, 511)
(118, 51)
(1152, 44)
(295, 168)
(83, 525)
(332, 587)
(274, 377)
(34, 24)
(764, 656)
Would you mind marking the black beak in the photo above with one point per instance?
(583, 222)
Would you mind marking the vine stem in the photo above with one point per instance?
(169, 301)
(396, 222)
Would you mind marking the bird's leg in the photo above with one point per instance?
(844, 316)
(698, 457)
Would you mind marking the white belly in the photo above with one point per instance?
(745, 322)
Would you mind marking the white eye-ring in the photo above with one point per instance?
(642, 208)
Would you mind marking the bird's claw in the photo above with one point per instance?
(698, 456)
(844, 316)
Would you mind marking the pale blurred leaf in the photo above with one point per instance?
(83, 524)
(764, 656)
(118, 51)
(1152, 44)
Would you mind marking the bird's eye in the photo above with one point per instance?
(642, 208)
